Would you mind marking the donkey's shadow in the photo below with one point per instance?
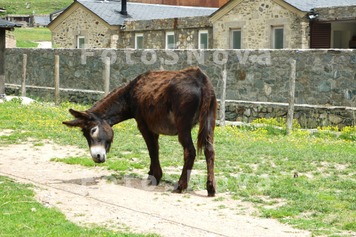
(129, 181)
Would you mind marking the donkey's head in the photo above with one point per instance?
(98, 133)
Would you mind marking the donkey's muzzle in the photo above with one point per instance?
(98, 153)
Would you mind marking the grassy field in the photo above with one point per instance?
(22, 215)
(36, 6)
(27, 37)
(307, 179)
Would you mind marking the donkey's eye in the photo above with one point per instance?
(107, 146)
(93, 130)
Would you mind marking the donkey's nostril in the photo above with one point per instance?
(98, 154)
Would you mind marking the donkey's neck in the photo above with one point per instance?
(115, 107)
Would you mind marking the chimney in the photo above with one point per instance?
(124, 7)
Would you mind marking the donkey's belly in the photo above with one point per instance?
(165, 130)
(165, 125)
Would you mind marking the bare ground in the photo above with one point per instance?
(86, 197)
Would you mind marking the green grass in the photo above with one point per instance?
(37, 6)
(33, 34)
(22, 215)
(253, 164)
(27, 37)
(26, 44)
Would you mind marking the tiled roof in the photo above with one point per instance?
(109, 11)
(7, 24)
(307, 5)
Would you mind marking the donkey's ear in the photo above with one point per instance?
(79, 115)
(74, 123)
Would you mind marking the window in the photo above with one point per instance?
(139, 41)
(235, 39)
(170, 40)
(278, 37)
(203, 39)
(80, 42)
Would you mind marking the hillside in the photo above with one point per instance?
(34, 6)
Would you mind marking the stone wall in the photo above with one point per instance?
(336, 13)
(186, 32)
(308, 116)
(10, 39)
(323, 77)
(255, 19)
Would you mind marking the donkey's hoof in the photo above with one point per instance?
(211, 194)
(152, 180)
(210, 186)
(177, 190)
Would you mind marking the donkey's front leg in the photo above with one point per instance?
(151, 139)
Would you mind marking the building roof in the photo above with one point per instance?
(307, 5)
(41, 20)
(109, 11)
(8, 24)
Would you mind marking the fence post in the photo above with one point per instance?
(56, 80)
(223, 96)
(106, 75)
(291, 96)
(24, 75)
(2, 61)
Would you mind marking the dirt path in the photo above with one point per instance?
(85, 197)
(44, 44)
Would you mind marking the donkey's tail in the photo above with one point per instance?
(207, 114)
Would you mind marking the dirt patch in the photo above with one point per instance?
(86, 197)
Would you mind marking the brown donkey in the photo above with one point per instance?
(161, 102)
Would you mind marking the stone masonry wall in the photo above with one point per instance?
(154, 32)
(336, 13)
(256, 19)
(307, 116)
(10, 39)
(325, 79)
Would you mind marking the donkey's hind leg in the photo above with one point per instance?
(185, 138)
(210, 158)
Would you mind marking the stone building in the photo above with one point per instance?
(259, 24)
(337, 23)
(29, 20)
(5, 40)
(238, 24)
(10, 39)
(104, 24)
